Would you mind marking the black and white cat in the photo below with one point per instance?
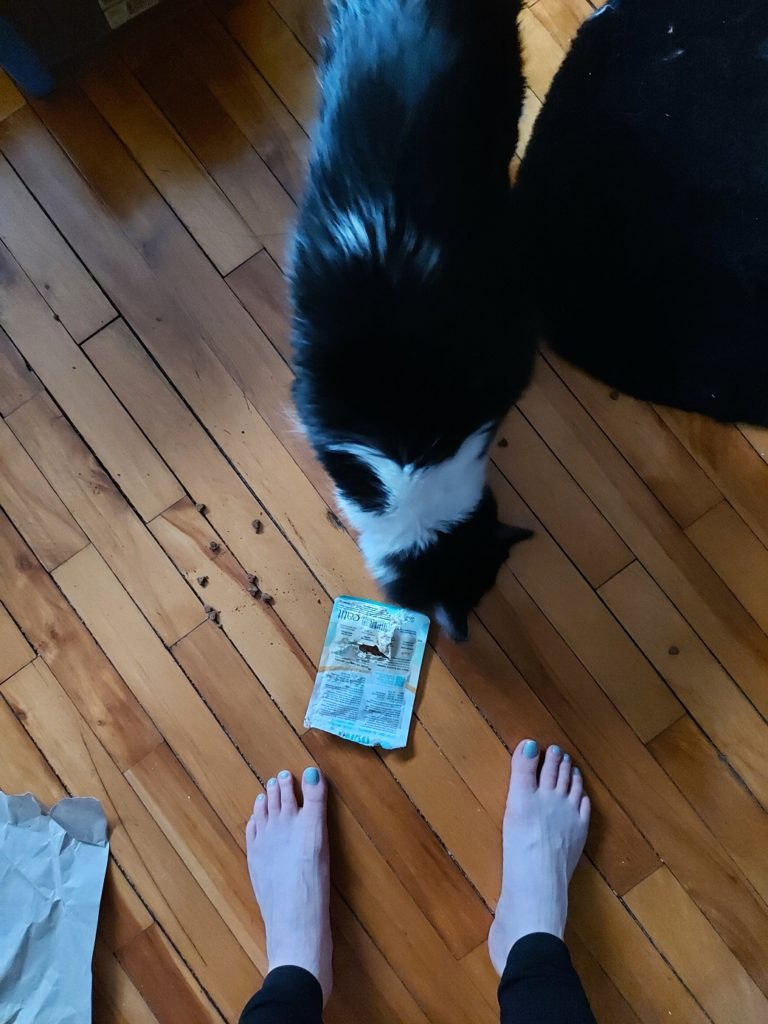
(645, 195)
(410, 341)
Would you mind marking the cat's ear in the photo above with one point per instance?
(509, 535)
(453, 621)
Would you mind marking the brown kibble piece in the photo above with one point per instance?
(203, 581)
(214, 545)
(201, 507)
(614, 396)
(674, 651)
(503, 442)
(257, 525)
(267, 599)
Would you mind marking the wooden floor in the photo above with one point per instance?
(144, 383)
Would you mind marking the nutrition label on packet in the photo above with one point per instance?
(369, 670)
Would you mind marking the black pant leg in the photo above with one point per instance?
(540, 985)
(289, 995)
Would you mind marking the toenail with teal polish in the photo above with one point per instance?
(285, 775)
(555, 750)
(312, 775)
(531, 748)
(260, 797)
(272, 782)
(566, 757)
(576, 771)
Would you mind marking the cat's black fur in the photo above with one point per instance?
(419, 109)
(645, 194)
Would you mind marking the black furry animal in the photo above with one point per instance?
(409, 341)
(644, 193)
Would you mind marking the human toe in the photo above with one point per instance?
(564, 775)
(525, 762)
(314, 790)
(273, 797)
(287, 792)
(551, 768)
(577, 787)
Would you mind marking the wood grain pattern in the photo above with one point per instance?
(145, 218)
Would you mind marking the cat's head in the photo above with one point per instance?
(447, 579)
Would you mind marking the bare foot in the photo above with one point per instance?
(545, 828)
(288, 862)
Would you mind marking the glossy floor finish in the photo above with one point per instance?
(144, 383)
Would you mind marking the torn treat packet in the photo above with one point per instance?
(369, 670)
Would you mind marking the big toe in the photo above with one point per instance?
(525, 762)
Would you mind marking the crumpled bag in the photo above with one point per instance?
(52, 868)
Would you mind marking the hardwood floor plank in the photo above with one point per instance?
(584, 622)
(693, 947)
(719, 797)
(68, 649)
(617, 756)
(23, 769)
(307, 20)
(728, 458)
(94, 499)
(122, 915)
(566, 512)
(142, 660)
(537, 39)
(733, 550)
(278, 55)
(15, 652)
(164, 981)
(204, 843)
(33, 505)
(48, 261)
(647, 443)
(608, 1004)
(64, 369)
(687, 579)
(205, 53)
(212, 220)
(18, 383)
(707, 692)
(217, 142)
(562, 18)
(115, 997)
(363, 980)
(260, 285)
(168, 889)
(618, 944)
(385, 910)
